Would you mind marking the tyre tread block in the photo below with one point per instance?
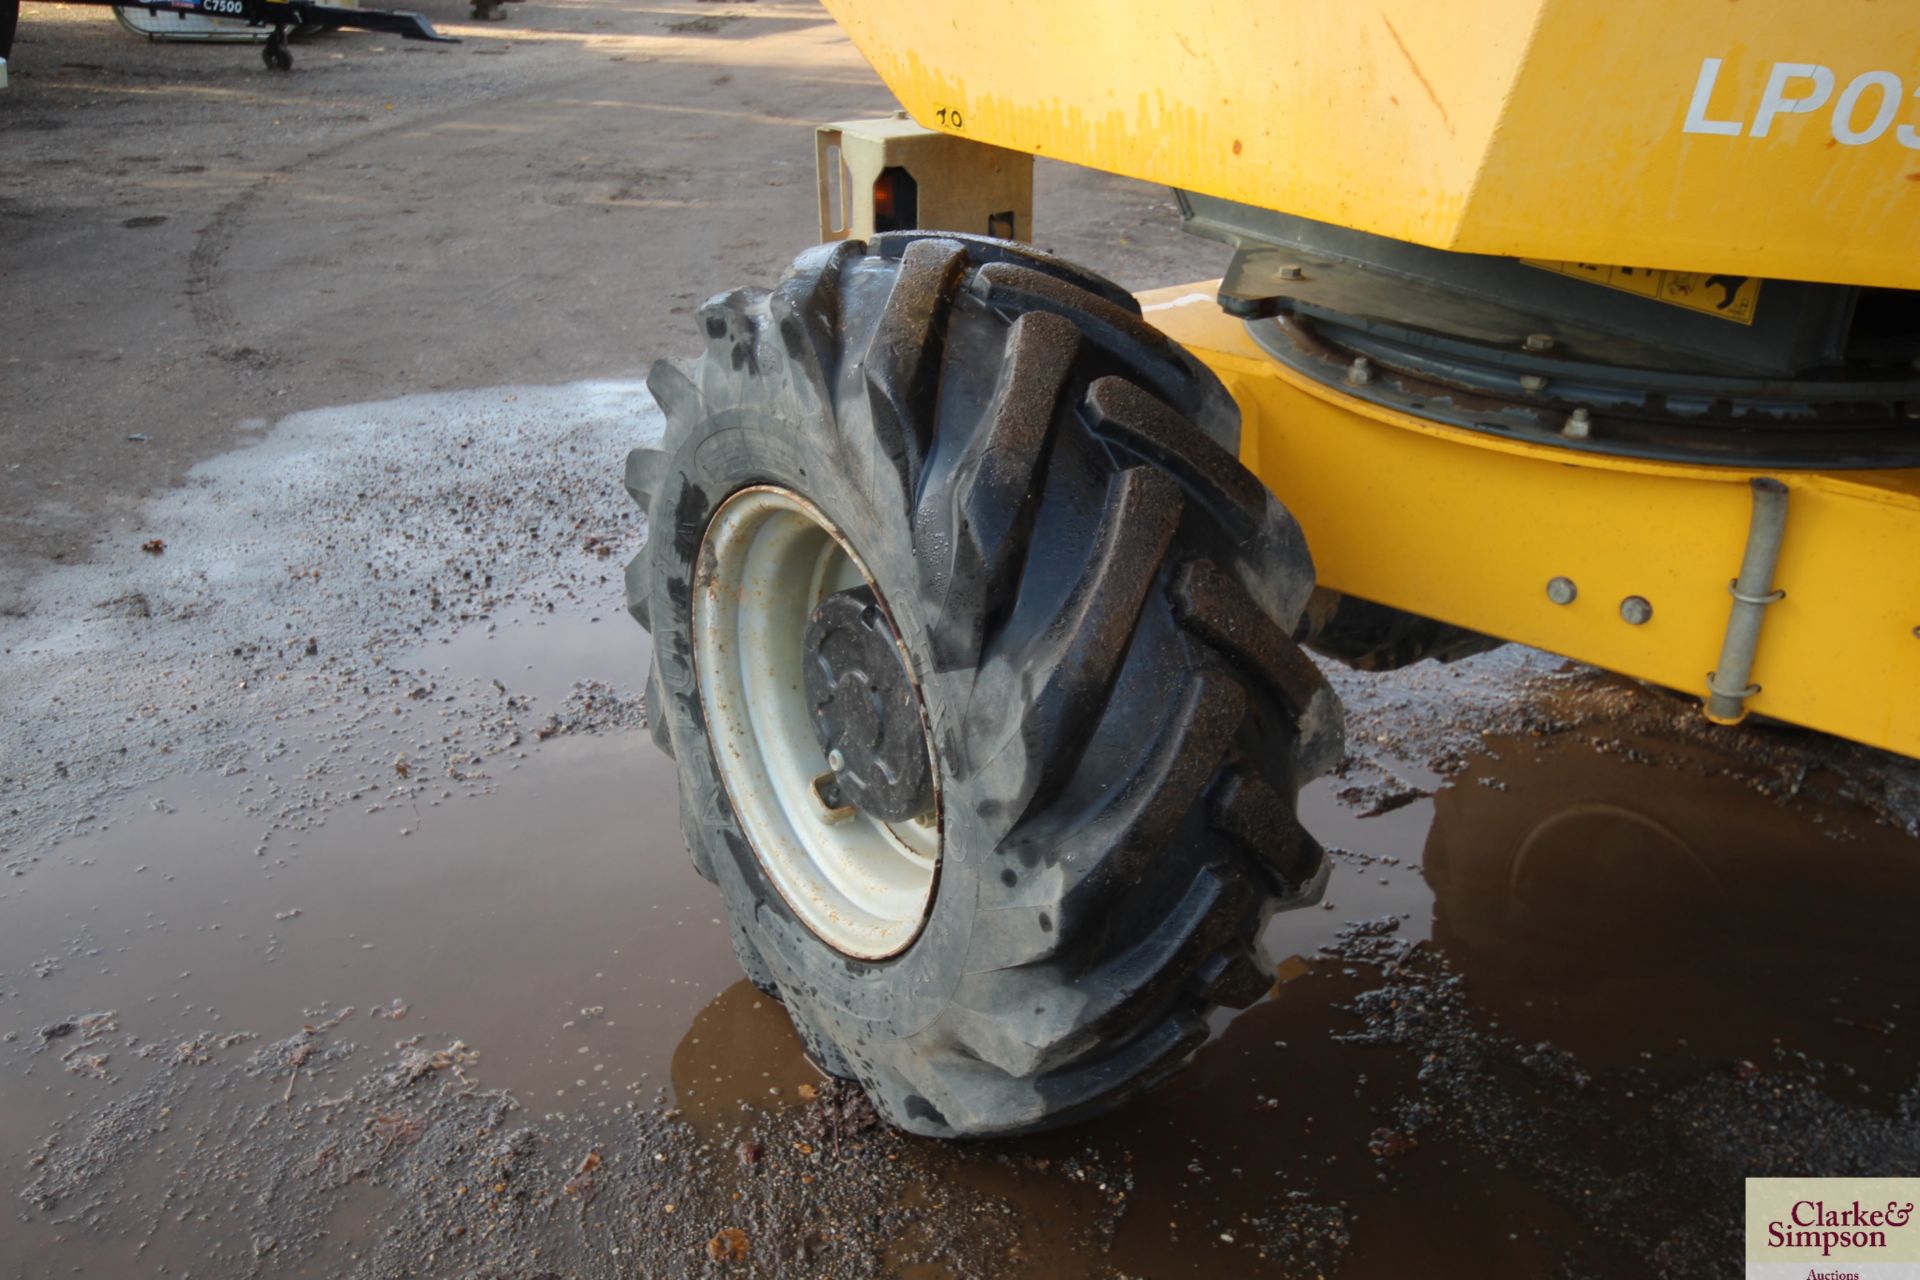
(986, 497)
(656, 703)
(819, 1047)
(984, 249)
(1118, 330)
(1145, 427)
(1126, 1071)
(639, 587)
(1235, 978)
(673, 389)
(1168, 1042)
(752, 963)
(1089, 860)
(1214, 607)
(1083, 863)
(806, 309)
(1254, 816)
(1087, 642)
(985, 1101)
(1042, 1017)
(902, 361)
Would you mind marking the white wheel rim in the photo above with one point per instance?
(768, 558)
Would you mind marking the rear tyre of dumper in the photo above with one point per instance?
(971, 640)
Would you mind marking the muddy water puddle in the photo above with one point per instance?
(533, 899)
(1561, 1007)
(1557, 1005)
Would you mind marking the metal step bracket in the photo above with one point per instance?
(892, 174)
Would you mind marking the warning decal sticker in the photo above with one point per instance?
(1729, 297)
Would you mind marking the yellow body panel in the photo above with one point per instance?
(1469, 529)
(1771, 138)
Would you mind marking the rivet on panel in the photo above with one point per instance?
(1636, 610)
(1562, 591)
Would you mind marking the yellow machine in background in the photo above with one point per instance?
(1547, 320)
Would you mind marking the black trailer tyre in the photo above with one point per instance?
(949, 550)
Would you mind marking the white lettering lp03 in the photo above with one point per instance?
(1872, 106)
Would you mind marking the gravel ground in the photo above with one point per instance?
(276, 593)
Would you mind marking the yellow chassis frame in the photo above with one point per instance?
(1469, 528)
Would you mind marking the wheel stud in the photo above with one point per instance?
(833, 807)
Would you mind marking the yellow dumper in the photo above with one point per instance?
(979, 587)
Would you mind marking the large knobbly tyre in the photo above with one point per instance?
(1035, 495)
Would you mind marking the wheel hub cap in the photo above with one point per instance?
(865, 711)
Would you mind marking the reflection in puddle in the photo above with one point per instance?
(1625, 910)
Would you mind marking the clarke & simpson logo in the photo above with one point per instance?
(1832, 1229)
(1811, 1224)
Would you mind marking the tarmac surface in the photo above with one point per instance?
(345, 928)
